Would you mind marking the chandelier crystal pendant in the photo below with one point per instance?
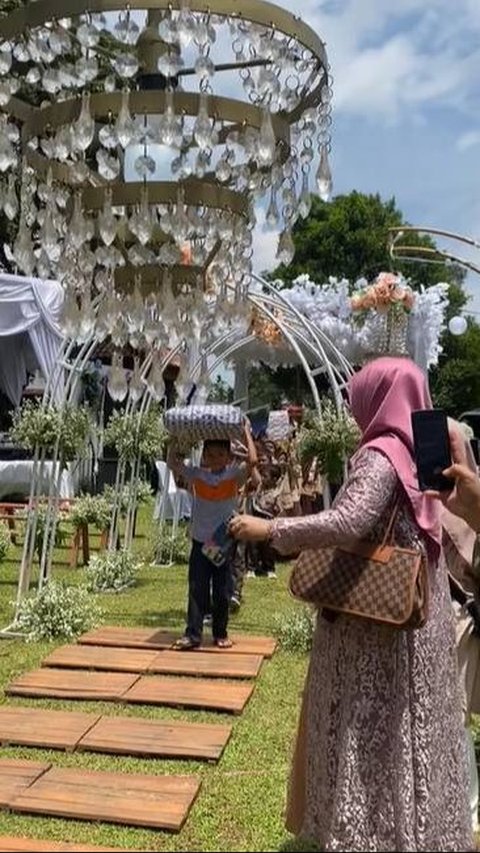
(136, 140)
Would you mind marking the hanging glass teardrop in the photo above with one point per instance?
(136, 386)
(324, 175)
(23, 249)
(10, 203)
(87, 316)
(70, 317)
(124, 126)
(305, 200)
(155, 381)
(286, 248)
(272, 217)
(107, 222)
(266, 149)
(203, 127)
(83, 130)
(117, 381)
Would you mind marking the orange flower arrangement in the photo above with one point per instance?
(385, 293)
(265, 329)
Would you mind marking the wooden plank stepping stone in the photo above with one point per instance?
(10, 844)
(74, 684)
(99, 657)
(130, 736)
(159, 802)
(52, 729)
(208, 694)
(148, 638)
(227, 665)
(16, 776)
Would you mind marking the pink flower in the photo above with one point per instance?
(386, 278)
(370, 299)
(356, 302)
(383, 292)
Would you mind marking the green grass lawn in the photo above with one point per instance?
(241, 802)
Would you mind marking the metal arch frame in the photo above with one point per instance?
(302, 336)
(428, 254)
(295, 328)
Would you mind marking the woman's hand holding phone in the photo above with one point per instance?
(463, 499)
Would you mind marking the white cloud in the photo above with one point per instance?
(390, 57)
(468, 140)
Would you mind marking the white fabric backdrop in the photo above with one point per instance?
(30, 334)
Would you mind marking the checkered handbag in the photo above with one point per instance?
(200, 423)
(383, 583)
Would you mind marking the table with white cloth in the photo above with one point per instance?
(16, 479)
(178, 502)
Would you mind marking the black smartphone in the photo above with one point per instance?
(432, 449)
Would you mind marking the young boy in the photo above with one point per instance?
(215, 487)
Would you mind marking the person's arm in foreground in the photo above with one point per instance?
(464, 498)
(358, 511)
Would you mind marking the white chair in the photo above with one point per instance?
(172, 503)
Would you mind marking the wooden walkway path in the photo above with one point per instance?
(80, 684)
(229, 664)
(71, 731)
(163, 638)
(160, 802)
(123, 666)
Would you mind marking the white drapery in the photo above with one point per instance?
(30, 335)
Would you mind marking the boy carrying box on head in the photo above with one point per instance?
(215, 488)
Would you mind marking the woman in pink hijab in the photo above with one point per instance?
(380, 762)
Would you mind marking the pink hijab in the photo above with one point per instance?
(383, 396)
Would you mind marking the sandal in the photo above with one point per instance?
(224, 643)
(185, 644)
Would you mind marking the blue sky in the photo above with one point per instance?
(406, 109)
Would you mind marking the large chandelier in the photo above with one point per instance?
(136, 141)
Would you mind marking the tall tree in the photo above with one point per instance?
(348, 237)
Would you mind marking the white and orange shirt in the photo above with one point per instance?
(215, 495)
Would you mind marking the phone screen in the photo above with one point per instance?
(432, 449)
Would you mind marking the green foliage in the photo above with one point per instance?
(40, 527)
(57, 611)
(271, 387)
(5, 541)
(164, 548)
(295, 629)
(112, 571)
(137, 435)
(330, 439)
(36, 426)
(455, 383)
(144, 495)
(349, 237)
(91, 509)
(220, 392)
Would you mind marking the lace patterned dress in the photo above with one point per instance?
(380, 761)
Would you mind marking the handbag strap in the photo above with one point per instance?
(391, 523)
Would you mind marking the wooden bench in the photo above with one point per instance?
(8, 514)
(80, 540)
